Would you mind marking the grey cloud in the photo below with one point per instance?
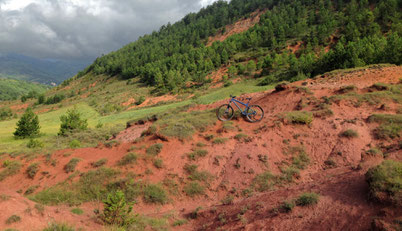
(59, 29)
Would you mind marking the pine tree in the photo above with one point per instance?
(72, 122)
(28, 125)
(116, 210)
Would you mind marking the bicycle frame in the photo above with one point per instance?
(235, 101)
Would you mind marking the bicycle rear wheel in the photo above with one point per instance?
(255, 113)
(225, 112)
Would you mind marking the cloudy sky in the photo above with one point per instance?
(83, 29)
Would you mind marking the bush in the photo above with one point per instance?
(77, 211)
(11, 168)
(99, 163)
(350, 133)
(72, 122)
(300, 117)
(32, 170)
(13, 219)
(129, 158)
(158, 163)
(264, 181)
(34, 143)
(70, 166)
(307, 199)
(28, 125)
(116, 210)
(140, 100)
(385, 182)
(193, 189)
(59, 227)
(5, 113)
(287, 206)
(154, 149)
(75, 144)
(197, 154)
(154, 193)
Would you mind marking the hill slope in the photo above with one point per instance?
(239, 173)
(38, 70)
(11, 89)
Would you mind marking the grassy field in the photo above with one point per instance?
(50, 121)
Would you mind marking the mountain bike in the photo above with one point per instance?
(254, 113)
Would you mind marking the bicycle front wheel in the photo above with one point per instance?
(255, 113)
(225, 112)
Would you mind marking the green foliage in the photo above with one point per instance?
(53, 99)
(299, 117)
(196, 154)
(77, 211)
(219, 140)
(129, 158)
(28, 125)
(158, 163)
(154, 149)
(390, 128)
(307, 199)
(13, 219)
(5, 113)
(32, 170)
(287, 206)
(264, 181)
(72, 122)
(140, 100)
(34, 143)
(116, 210)
(385, 182)
(10, 168)
(58, 227)
(154, 193)
(11, 89)
(75, 144)
(99, 163)
(179, 222)
(193, 189)
(242, 137)
(349, 133)
(194, 174)
(70, 166)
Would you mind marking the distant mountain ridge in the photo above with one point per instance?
(44, 71)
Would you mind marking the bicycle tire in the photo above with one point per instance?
(253, 111)
(223, 110)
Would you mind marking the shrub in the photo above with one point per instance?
(70, 166)
(13, 219)
(154, 193)
(299, 117)
(58, 227)
(179, 222)
(130, 158)
(193, 189)
(154, 149)
(116, 210)
(197, 154)
(111, 143)
(390, 128)
(307, 199)
(374, 152)
(31, 189)
(385, 182)
(158, 163)
(71, 122)
(5, 113)
(28, 125)
(227, 200)
(140, 100)
(242, 137)
(75, 144)
(34, 143)
(350, 133)
(11, 168)
(77, 211)
(287, 206)
(32, 170)
(219, 140)
(346, 89)
(264, 181)
(99, 163)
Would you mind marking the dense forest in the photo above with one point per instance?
(333, 35)
(11, 89)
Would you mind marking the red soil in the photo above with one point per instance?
(130, 103)
(239, 27)
(343, 203)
